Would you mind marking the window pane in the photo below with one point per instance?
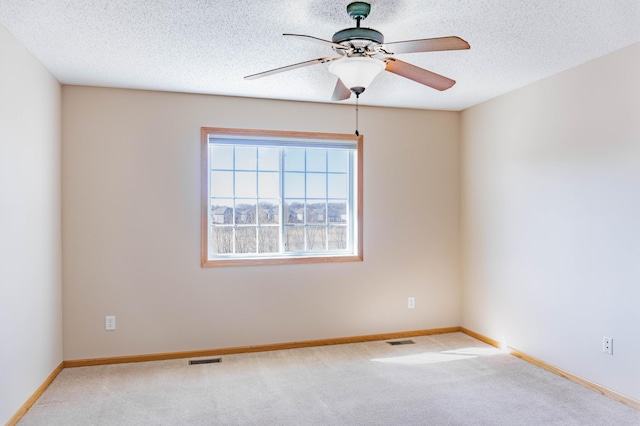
(222, 184)
(294, 238)
(338, 237)
(221, 239)
(246, 185)
(222, 212)
(338, 161)
(246, 239)
(245, 213)
(246, 158)
(338, 186)
(294, 159)
(269, 239)
(316, 160)
(269, 212)
(316, 238)
(268, 158)
(221, 157)
(316, 185)
(337, 211)
(317, 213)
(294, 211)
(294, 185)
(268, 184)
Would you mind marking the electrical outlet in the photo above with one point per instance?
(607, 345)
(411, 303)
(110, 323)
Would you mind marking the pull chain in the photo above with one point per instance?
(357, 98)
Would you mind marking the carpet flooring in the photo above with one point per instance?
(447, 379)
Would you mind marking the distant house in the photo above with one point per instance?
(337, 214)
(268, 213)
(245, 214)
(316, 213)
(222, 215)
(296, 215)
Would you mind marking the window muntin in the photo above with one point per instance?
(280, 197)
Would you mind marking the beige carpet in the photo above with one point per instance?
(449, 379)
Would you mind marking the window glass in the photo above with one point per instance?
(316, 185)
(246, 185)
(316, 160)
(246, 158)
(338, 161)
(294, 159)
(294, 185)
(268, 184)
(269, 212)
(221, 157)
(338, 186)
(268, 239)
(294, 211)
(222, 184)
(268, 158)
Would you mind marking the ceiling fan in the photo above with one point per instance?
(363, 54)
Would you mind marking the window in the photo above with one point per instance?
(273, 197)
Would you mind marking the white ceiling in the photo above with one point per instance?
(207, 46)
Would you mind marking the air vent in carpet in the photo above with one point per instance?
(204, 361)
(401, 342)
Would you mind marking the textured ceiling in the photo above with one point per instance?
(200, 46)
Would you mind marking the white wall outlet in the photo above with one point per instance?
(607, 345)
(411, 302)
(110, 322)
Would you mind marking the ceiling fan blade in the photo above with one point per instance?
(319, 40)
(341, 92)
(288, 68)
(418, 74)
(427, 45)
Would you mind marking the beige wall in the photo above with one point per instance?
(550, 213)
(132, 235)
(30, 242)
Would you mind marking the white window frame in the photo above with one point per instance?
(237, 137)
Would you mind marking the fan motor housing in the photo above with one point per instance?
(358, 34)
(358, 10)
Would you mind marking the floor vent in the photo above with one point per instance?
(401, 342)
(204, 361)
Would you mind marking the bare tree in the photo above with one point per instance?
(222, 239)
(246, 239)
(268, 239)
(337, 237)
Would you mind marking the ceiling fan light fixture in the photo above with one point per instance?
(357, 72)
